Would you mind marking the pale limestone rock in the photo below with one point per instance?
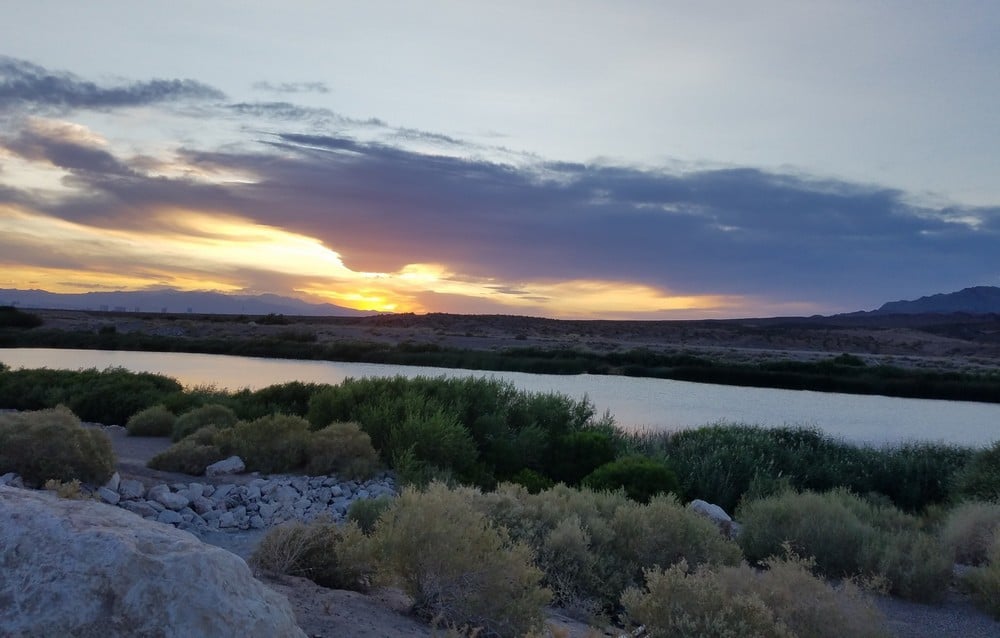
(108, 495)
(131, 489)
(81, 568)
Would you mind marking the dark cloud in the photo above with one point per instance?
(24, 83)
(726, 232)
(68, 154)
(292, 87)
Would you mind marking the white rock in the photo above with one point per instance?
(710, 510)
(84, 568)
(222, 491)
(232, 465)
(202, 504)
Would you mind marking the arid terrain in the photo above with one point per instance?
(945, 342)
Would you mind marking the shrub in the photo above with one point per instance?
(640, 477)
(457, 566)
(785, 600)
(983, 583)
(980, 478)
(330, 555)
(188, 456)
(592, 545)
(532, 481)
(847, 536)
(969, 529)
(276, 443)
(213, 414)
(343, 449)
(72, 490)
(52, 444)
(437, 440)
(366, 512)
(154, 421)
(577, 454)
(679, 603)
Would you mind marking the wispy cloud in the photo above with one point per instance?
(292, 87)
(29, 85)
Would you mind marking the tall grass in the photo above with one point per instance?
(723, 462)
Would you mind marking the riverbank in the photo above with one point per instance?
(956, 358)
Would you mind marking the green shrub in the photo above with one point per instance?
(914, 475)
(847, 536)
(366, 512)
(968, 531)
(592, 545)
(213, 414)
(457, 566)
(342, 449)
(330, 555)
(912, 564)
(720, 464)
(980, 479)
(679, 604)
(437, 440)
(153, 421)
(983, 583)
(52, 444)
(532, 481)
(276, 443)
(188, 456)
(784, 600)
(640, 477)
(287, 398)
(575, 455)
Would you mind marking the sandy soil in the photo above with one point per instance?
(327, 613)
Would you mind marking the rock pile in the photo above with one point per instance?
(260, 503)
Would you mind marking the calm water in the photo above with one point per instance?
(635, 403)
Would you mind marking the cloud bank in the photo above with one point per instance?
(421, 221)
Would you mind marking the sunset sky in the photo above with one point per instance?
(586, 159)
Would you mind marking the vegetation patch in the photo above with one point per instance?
(153, 421)
(784, 600)
(52, 444)
(847, 536)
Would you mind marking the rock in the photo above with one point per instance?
(83, 568)
(142, 508)
(9, 478)
(202, 504)
(717, 515)
(256, 522)
(170, 517)
(170, 500)
(222, 491)
(232, 465)
(114, 482)
(108, 495)
(131, 490)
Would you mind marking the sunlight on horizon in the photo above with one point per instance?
(195, 250)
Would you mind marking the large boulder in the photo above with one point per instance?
(82, 568)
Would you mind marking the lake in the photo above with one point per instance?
(656, 404)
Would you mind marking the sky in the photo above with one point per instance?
(586, 159)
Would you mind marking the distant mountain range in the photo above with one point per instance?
(175, 301)
(977, 300)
